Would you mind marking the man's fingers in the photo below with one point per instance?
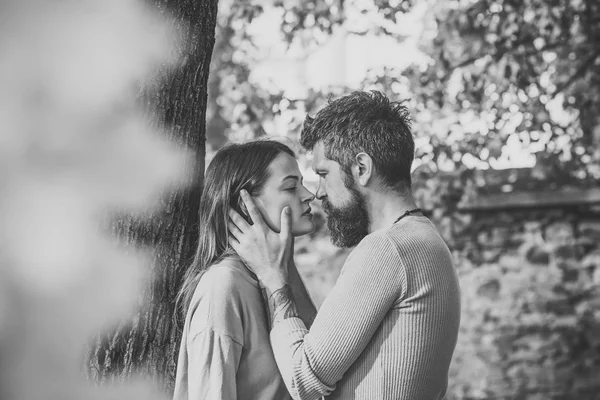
(238, 220)
(286, 225)
(253, 211)
(234, 231)
(234, 244)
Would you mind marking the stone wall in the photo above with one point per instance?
(569, 233)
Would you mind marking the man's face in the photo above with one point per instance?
(346, 209)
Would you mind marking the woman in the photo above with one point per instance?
(225, 351)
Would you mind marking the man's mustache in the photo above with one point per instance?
(327, 207)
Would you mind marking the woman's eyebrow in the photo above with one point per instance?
(294, 177)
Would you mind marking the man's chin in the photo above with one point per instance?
(344, 239)
(349, 223)
(344, 243)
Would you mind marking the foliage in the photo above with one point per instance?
(527, 70)
(237, 106)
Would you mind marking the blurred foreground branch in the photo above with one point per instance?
(75, 145)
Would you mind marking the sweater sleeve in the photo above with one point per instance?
(215, 340)
(312, 362)
(212, 368)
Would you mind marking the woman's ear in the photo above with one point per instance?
(242, 210)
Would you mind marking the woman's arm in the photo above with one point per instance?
(215, 337)
(213, 359)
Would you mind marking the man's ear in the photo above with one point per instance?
(363, 169)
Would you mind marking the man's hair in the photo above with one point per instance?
(365, 122)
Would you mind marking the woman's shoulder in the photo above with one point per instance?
(220, 300)
(228, 273)
(225, 284)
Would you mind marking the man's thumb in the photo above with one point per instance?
(286, 224)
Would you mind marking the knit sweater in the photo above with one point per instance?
(388, 328)
(225, 352)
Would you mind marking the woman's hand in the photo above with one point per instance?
(266, 253)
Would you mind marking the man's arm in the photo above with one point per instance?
(313, 362)
(280, 304)
(298, 294)
(291, 300)
(306, 308)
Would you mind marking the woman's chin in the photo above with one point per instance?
(303, 228)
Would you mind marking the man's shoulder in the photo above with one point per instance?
(396, 242)
(374, 241)
(415, 232)
(374, 247)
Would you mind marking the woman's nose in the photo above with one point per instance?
(308, 195)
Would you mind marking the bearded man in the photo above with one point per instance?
(388, 328)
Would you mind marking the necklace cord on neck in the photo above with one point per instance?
(408, 212)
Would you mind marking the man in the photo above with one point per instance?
(388, 328)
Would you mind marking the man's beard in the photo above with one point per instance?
(348, 224)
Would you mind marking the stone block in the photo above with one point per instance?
(538, 254)
(559, 233)
(568, 251)
(511, 261)
(592, 260)
(590, 230)
(587, 244)
(532, 227)
(483, 237)
(570, 270)
(489, 289)
(491, 255)
(499, 236)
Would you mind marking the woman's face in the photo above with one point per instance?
(284, 188)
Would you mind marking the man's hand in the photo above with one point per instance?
(265, 252)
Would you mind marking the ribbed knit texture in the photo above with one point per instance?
(225, 352)
(388, 328)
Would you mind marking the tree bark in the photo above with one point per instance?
(148, 344)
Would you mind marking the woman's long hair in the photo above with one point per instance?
(234, 167)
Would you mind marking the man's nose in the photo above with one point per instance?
(321, 193)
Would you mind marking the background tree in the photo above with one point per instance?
(177, 99)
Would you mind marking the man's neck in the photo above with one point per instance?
(386, 208)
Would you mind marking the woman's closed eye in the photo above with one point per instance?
(291, 189)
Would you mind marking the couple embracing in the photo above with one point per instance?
(387, 329)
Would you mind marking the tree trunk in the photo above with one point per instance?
(148, 344)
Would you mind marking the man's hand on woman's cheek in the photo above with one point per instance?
(264, 251)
